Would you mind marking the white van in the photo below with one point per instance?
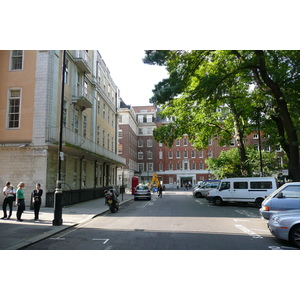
(243, 189)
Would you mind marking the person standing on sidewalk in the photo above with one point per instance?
(20, 201)
(9, 193)
(160, 190)
(37, 200)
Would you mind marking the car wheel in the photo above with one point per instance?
(258, 202)
(218, 201)
(295, 235)
(198, 195)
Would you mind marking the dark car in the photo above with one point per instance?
(142, 192)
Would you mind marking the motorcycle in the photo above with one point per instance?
(111, 200)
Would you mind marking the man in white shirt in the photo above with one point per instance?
(9, 192)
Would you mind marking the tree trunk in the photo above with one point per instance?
(292, 138)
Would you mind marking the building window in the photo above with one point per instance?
(104, 111)
(149, 155)
(140, 118)
(149, 166)
(201, 166)
(186, 166)
(193, 166)
(160, 167)
(255, 136)
(103, 138)
(185, 154)
(171, 167)
(140, 155)
(178, 166)
(149, 131)
(177, 154)
(193, 154)
(160, 155)
(16, 60)
(14, 108)
(177, 142)
(140, 131)
(201, 154)
(185, 142)
(98, 134)
(84, 125)
(149, 118)
(65, 113)
(170, 154)
(149, 143)
(67, 71)
(140, 143)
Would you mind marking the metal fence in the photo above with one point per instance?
(71, 197)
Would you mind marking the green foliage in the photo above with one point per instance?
(228, 94)
(228, 163)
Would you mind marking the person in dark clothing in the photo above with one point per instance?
(37, 200)
(10, 194)
(160, 190)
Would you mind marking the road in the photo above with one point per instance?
(177, 221)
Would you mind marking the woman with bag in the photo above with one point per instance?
(20, 200)
(37, 200)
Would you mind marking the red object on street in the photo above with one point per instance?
(134, 183)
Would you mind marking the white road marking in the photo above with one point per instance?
(58, 239)
(106, 240)
(248, 231)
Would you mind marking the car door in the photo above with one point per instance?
(288, 198)
(240, 191)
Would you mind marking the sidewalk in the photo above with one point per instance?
(16, 235)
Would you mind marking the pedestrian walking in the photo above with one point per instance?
(20, 200)
(10, 193)
(37, 200)
(160, 190)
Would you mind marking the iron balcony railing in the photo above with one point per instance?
(73, 138)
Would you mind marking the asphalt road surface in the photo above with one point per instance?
(177, 221)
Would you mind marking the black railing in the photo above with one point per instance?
(71, 197)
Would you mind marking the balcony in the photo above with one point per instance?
(82, 60)
(82, 98)
(78, 145)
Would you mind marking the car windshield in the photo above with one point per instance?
(142, 187)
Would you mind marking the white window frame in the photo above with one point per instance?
(11, 60)
(8, 107)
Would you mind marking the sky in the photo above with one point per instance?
(134, 79)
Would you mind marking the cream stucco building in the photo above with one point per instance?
(30, 98)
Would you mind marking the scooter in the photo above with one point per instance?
(111, 200)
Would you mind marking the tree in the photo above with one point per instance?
(227, 164)
(252, 87)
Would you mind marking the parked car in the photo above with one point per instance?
(142, 191)
(201, 184)
(285, 198)
(243, 189)
(203, 190)
(286, 226)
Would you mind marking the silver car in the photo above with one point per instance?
(142, 191)
(203, 191)
(286, 226)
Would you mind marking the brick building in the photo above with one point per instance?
(176, 166)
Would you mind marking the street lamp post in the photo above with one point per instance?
(58, 191)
